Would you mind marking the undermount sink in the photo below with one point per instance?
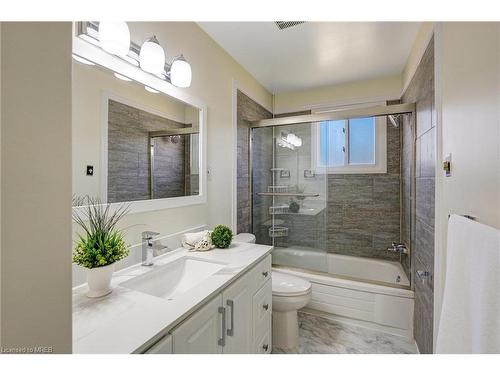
(173, 279)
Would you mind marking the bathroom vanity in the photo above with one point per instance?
(218, 301)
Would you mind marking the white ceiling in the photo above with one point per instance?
(315, 53)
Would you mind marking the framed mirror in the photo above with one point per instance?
(134, 139)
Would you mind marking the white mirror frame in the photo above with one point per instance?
(99, 57)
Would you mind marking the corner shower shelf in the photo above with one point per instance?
(276, 231)
(277, 189)
(276, 210)
(304, 195)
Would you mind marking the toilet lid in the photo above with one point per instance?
(288, 285)
(244, 237)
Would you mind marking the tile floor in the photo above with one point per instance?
(319, 335)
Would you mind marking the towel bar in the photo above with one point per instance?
(470, 217)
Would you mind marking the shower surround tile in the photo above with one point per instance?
(418, 226)
(249, 110)
(319, 335)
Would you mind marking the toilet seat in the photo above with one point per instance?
(284, 285)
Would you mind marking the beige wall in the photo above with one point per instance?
(213, 74)
(374, 90)
(89, 85)
(36, 185)
(468, 105)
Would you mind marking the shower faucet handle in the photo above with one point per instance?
(398, 247)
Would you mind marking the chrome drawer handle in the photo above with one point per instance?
(265, 273)
(222, 340)
(265, 347)
(265, 306)
(230, 304)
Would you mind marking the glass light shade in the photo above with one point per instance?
(152, 56)
(114, 37)
(122, 77)
(180, 72)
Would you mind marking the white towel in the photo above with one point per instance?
(470, 315)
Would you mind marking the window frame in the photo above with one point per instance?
(380, 165)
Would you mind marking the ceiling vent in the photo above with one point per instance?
(282, 25)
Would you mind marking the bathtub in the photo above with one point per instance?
(368, 292)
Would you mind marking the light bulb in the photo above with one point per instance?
(114, 37)
(180, 72)
(152, 56)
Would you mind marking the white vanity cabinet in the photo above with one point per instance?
(201, 332)
(238, 320)
(163, 346)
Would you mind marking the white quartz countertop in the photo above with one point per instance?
(128, 321)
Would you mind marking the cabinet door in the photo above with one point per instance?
(201, 332)
(163, 346)
(237, 300)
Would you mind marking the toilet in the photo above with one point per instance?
(290, 293)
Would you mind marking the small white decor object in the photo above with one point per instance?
(114, 37)
(205, 243)
(152, 56)
(99, 280)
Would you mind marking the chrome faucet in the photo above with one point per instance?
(147, 247)
(398, 248)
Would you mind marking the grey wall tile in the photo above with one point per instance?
(419, 225)
(128, 156)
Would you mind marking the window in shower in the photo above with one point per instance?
(350, 146)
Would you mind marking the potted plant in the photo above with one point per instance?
(222, 236)
(100, 244)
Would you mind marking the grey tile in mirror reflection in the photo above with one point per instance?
(135, 172)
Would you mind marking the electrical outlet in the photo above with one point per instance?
(90, 170)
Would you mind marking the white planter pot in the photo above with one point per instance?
(99, 280)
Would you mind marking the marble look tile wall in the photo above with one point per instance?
(249, 110)
(128, 155)
(418, 226)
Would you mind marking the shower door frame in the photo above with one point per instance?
(342, 114)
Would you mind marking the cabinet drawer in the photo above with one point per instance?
(261, 310)
(263, 345)
(163, 346)
(261, 273)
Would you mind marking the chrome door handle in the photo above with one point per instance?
(222, 340)
(265, 273)
(230, 304)
(265, 306)
(423, 275)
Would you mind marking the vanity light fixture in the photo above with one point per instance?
(151, 90)
(114, 37)
(180, 72)
(152, 56)
(82, 60)
(122, 77)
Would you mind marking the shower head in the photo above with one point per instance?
(394, 120)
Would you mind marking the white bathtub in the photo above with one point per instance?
(364, 291)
